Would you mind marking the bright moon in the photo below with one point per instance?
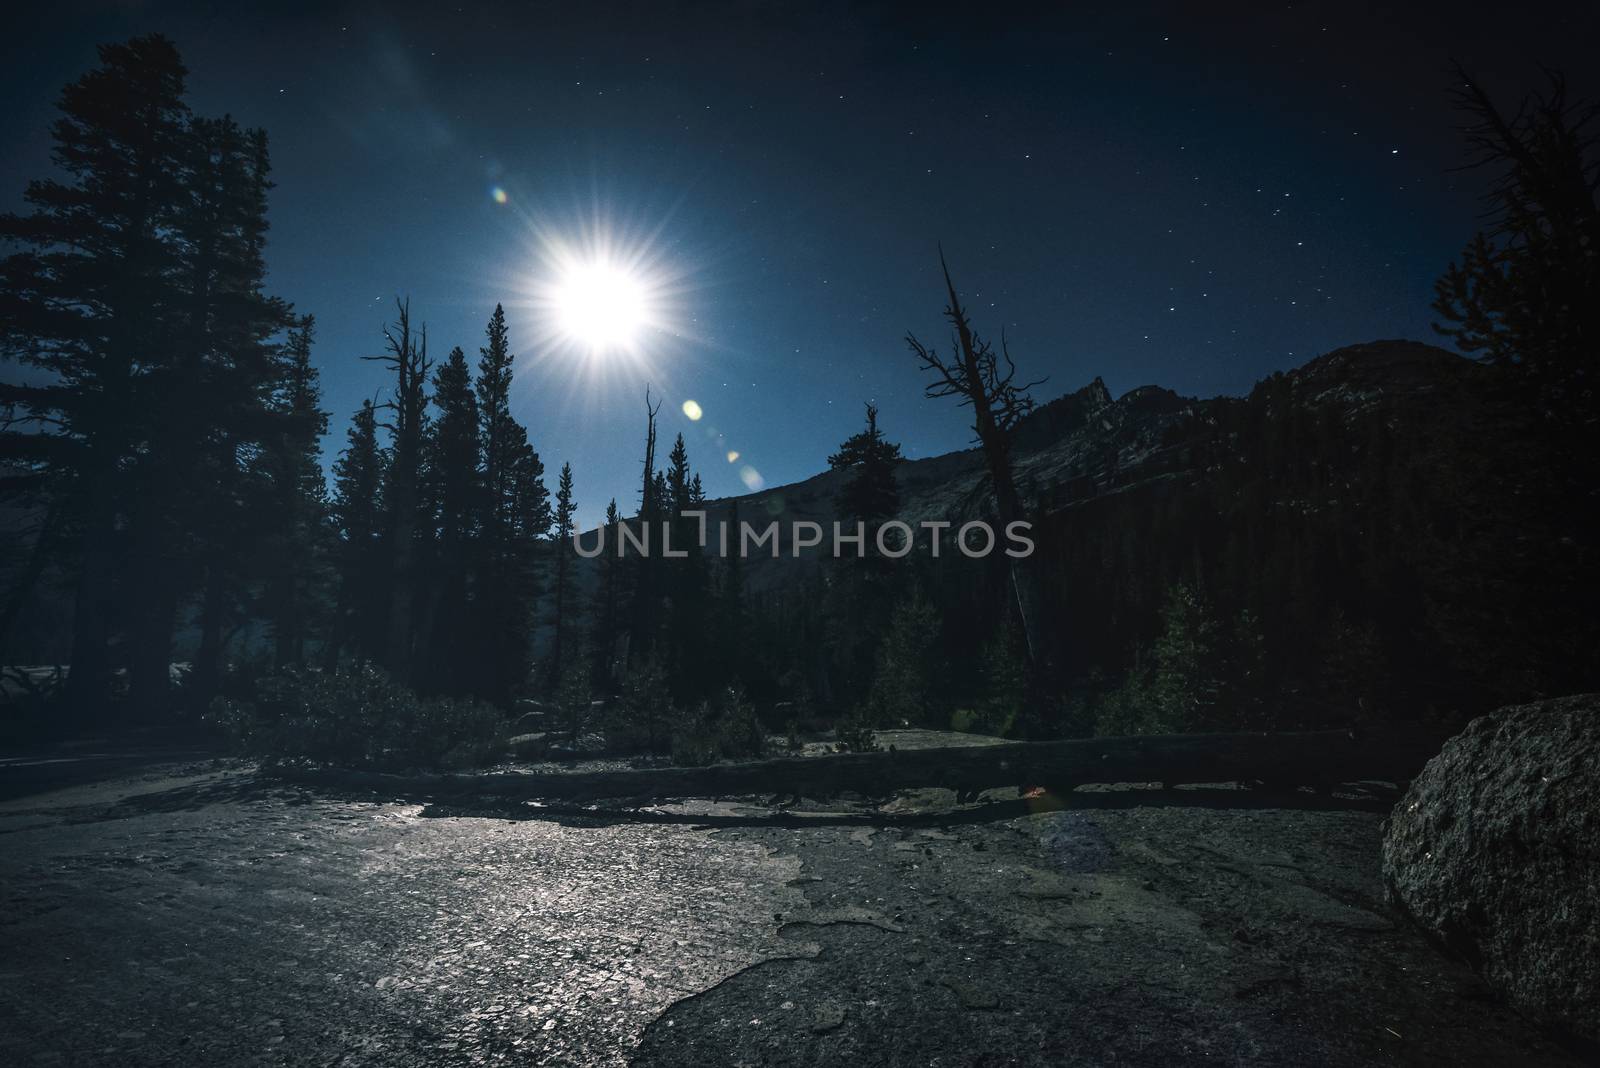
(600, 305)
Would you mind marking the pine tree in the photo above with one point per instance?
(907, 682)
(607, 619)
(687, 587)
(862, 589)
(515, 515)
(677, 476)
(229, 359)
(1185, 681)
(454, 491)
(89, 300)
(565, 510)
(870, 494)
(732, 614)
(362, 556)
(495, 368)
(297, 545)
(1526, 295)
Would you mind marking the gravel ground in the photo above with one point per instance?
(193, 915)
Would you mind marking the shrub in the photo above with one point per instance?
(730, 731)
(909, 679)
(1005, 684)
(358, 718)
(639, 718)
(854, 734)
(694, 740)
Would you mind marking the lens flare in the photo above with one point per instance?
(691, 408)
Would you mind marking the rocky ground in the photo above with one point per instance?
(195, 914)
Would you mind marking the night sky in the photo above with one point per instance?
(1145, 194)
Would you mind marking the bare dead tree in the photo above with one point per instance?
(642, 634)
(407, 356)
(647, 501)
(985, 381)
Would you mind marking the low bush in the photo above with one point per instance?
(358, 718)
(854, 734)
(730, 730)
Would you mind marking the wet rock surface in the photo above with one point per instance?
(199, 916)
(1128, 933)
(206, 919)
(1495, 852)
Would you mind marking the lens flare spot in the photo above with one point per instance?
(499, 195)
(733, 455)
(751, 478)
(692, 410)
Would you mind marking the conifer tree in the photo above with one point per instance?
(361, 552)
(88, 300)
(565, 510)
(515, 516)
(907, 683)
(454, 491)
(297, 545)
(687, 587)
(731, 622)
(1526, 294)
(607, 618)
(1185, 683)
(862, 590)
(229, 357)
(871, 493)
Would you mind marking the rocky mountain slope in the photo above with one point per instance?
(1086, 445)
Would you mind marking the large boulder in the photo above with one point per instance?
(1495, 852)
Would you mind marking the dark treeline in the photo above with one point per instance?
(1295, 561)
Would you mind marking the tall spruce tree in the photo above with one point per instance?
(1525, 295)
(454, 490)
(687, 583)
(862, 589)
(871, 493)
(607, 619)
(230, 357)
(733, 619)
(297, 544)
(89, 299)
(515, 516)
(361, 553)
(563, 592)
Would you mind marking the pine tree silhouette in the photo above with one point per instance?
(455, 491)
(361, 553)
(566, 508)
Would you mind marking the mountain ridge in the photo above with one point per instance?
(1086, 443)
